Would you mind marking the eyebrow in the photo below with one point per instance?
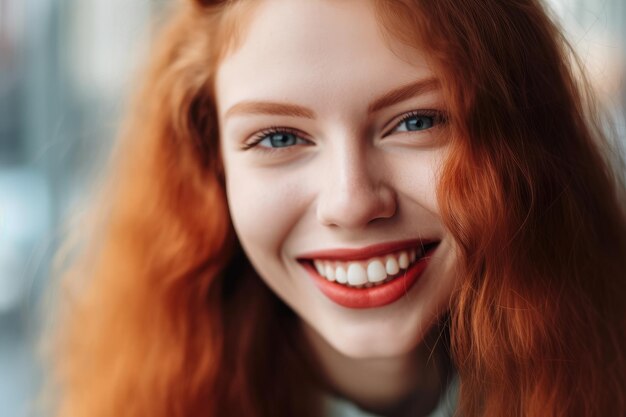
(270, 107)
(414, 89)
(390, 98)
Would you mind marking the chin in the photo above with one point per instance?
(372, 340)
(374, 351)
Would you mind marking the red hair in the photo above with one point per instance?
(172, 321)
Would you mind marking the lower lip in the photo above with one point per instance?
(372, 297)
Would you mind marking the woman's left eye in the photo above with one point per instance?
(418, 121)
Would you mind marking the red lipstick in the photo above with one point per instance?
(367, 252)
(376, 296)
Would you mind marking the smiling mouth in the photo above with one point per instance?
(372, 277)
(371, 272)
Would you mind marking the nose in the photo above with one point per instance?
(354, 192)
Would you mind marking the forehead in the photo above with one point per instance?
(311, 50)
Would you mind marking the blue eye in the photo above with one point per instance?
(279, 140)
(413, 122)
(275, 138)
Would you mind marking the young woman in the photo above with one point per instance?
(326, 207)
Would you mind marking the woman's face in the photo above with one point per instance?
(332, 138)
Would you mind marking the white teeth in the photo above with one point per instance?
(391, 266)
(376, 271)
(329, 272)
(403, 260)
(368, 273)
(340, 275)
(320, 267)
(356, 274)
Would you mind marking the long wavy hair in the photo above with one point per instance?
(164, 316)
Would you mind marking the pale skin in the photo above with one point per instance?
(340, 169)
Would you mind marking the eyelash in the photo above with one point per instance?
(439, 117)
(263, 134)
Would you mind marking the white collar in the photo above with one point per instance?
(340, 407)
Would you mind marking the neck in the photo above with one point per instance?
(382, 385)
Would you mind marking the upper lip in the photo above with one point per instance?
(356, 254)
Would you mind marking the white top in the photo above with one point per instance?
(339, 407)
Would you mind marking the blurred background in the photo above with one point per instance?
(66, 70)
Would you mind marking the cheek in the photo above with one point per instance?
(264, 206)
(416, 178)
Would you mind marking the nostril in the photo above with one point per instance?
(352, 209)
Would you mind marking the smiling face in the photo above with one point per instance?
(332, 137)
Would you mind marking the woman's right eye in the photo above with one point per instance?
(280, 140)
(275, 138)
